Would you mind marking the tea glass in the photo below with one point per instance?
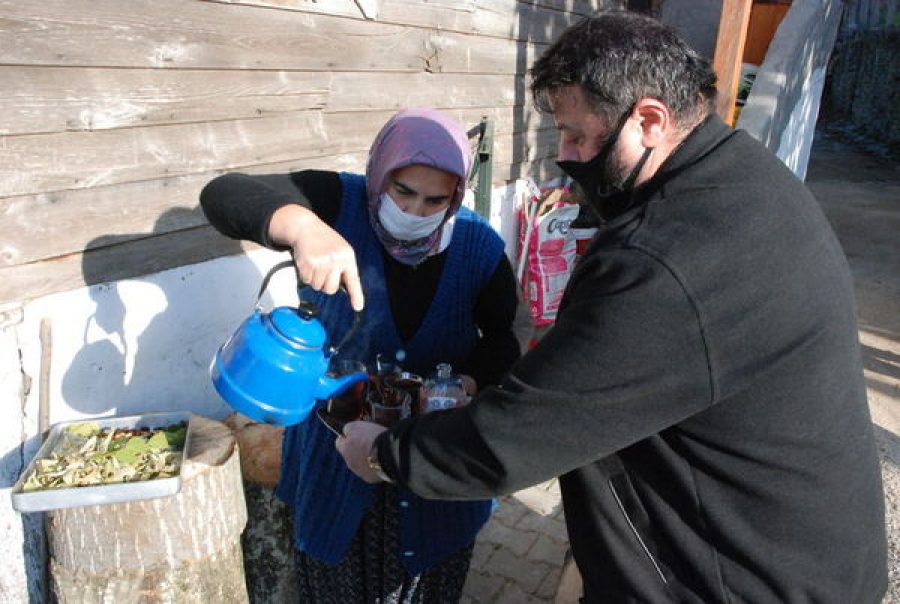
(408, 382)
(350, 405)
(387, 411)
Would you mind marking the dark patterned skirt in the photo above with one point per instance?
(372, 571)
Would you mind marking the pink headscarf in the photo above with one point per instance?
(416, 136)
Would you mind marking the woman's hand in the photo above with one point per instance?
(324, 259)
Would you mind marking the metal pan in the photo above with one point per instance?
(52, 499)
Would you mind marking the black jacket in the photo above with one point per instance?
(701, 397)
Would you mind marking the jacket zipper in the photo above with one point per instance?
(637, 535)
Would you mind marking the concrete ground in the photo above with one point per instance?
(519, 555)
(860, 193)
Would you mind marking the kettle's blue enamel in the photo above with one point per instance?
(273, 368)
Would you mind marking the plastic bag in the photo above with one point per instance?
(548, 252)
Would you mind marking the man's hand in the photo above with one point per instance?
(355, 446)
(469, 385)
(324, 259)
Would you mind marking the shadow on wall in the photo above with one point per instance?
(138, 340)
(137, 349)
(126, 339)
(117, 345)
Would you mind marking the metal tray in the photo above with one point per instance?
(52, 499)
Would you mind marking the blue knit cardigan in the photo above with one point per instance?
(328, 500)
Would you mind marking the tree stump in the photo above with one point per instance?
(269, 560)
(182, 548)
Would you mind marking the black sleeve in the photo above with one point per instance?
(495, 310)
(240, 206)
(625, 359)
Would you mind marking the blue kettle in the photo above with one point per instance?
(274, 368)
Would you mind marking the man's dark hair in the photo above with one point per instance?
(619, 57)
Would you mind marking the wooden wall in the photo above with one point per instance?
(115, 114)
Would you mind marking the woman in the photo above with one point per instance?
(437, 289)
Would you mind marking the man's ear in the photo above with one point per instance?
(655, 120)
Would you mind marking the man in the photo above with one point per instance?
(701, 394)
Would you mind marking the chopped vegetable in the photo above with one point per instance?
(88, 455)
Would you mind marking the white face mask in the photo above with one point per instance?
(406, 227)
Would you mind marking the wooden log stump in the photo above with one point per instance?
(182, 548)
(269, 559)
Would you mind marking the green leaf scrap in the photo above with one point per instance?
(88, 455)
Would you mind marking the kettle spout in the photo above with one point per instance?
(330, 387)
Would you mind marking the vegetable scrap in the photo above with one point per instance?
(88, 455)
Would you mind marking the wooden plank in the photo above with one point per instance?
(369, 91)
(54, 99)
(761, 28)
(125, 256)
(50, 225)
(729, 52)
(51, 100)
(142, 33)
(525, 147)
(583, 7)
(116, 260)
(34, 164)
(53, 225)
(537, 22)
(111, 160)
(341, 8)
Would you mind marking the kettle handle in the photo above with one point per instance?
(307, 307)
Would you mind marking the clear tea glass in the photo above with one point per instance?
(350, 405)
(408, 382)
(389, 409)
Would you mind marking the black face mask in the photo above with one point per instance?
(605, 196)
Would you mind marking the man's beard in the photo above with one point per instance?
(605, 183)
(615, 172)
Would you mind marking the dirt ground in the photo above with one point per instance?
(859, 189)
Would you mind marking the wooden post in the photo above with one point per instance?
(729, 54)
(764, 22)
(182, 548)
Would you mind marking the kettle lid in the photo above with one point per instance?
(300, 328)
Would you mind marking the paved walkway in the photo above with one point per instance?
(519, 555)
(860, 193)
